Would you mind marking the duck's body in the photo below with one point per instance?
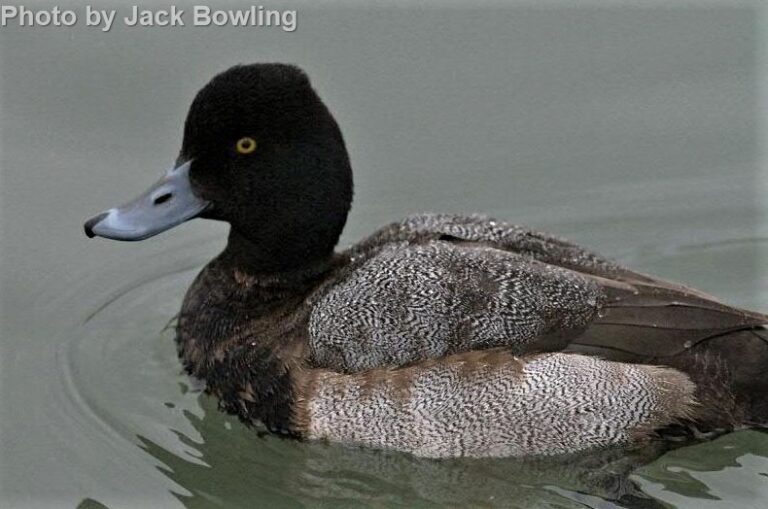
(439, 335)
(448, 335)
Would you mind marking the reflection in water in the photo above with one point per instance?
(90, 503)
(117, 372)
(241, 469)
(712, 474)
(210, 459)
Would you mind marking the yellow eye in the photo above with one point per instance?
(245, 145)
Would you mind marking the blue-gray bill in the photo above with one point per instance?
(169, 202)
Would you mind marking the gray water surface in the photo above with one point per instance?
(633, 130)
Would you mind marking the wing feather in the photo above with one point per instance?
(434, 285)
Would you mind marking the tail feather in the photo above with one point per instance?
(731, 374)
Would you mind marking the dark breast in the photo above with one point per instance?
(247, 340)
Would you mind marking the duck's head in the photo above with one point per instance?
(261, 152)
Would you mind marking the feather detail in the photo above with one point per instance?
(495, 404)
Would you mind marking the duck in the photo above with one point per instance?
(439, 335)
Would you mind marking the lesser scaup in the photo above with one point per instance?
(440, 335)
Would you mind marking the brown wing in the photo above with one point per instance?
(644, 318)
(723, 349)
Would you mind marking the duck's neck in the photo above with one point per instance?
(234, 301)
(286, 254)
(261, 279)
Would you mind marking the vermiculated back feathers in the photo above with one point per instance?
(414, 302)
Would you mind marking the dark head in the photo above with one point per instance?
(262, 152)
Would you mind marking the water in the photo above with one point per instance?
(632, 130)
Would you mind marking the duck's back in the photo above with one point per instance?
(424, 300)
(438, 285)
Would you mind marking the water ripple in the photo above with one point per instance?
(122, 386)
